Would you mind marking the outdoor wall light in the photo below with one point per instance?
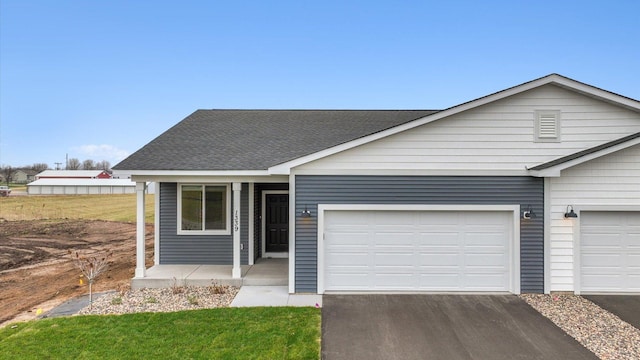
(306, 213)
(528, 214)
(570, 214)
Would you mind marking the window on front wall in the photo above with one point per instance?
(203, 209)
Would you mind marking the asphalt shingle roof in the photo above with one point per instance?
(258, 139)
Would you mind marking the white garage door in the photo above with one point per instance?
(609, 251)
(417, 250)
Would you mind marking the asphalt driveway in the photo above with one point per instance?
(626, 307)
(440, 327)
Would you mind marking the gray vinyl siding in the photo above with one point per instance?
(198, 249)
(476, 190)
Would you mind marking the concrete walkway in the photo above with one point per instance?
(273, 296)
(71, 306)
(247, 296)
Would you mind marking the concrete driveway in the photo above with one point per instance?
(626, 307)
(440, 327)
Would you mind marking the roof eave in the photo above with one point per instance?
(555, 171)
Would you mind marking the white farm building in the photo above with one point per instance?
(74, 186)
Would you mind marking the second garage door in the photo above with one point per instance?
(371, 250)
(610, 251)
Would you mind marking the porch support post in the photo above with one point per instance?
(140, 229)
(236, 273)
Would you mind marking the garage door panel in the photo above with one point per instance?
(418, 251)
(439, 259)
(347, 259)
(394, 238)
(609, 256)
(442, 219)
(601, 260)
(493, 238)
(439, 239)
(400, 259)
(485, 260)
(485, 281)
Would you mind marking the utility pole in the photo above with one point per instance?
(58, 165)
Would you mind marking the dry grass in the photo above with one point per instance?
(90, 207)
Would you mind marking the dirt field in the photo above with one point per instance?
(36, 271)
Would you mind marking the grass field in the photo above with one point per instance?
(224, 333)
(90, 207)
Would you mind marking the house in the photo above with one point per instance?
(535, 188)
(24, 176)
(74, 174)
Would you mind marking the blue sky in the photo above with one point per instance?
(99, 79)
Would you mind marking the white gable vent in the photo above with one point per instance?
(547, 126)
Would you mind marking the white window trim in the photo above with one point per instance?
(538, 115)
(226, 231)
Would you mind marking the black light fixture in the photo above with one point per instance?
(528, 214)
(306, 213)
(570, 214)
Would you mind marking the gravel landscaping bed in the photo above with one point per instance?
(162, 300)
(598, 330)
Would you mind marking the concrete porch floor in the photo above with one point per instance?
(265, 272)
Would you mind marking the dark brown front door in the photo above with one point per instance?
(277, 223)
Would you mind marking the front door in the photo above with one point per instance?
(276, 223)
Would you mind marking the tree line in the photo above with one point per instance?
(8, 172)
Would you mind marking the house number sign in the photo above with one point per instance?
(236, 220)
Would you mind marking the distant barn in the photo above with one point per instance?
(73, 174)
(74, 186)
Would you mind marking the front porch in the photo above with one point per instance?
(265, 272)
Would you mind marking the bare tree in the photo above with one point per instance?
(73, 164)
(91, 267)
(39, 167)
(88, 165)
(103, 165)
(8, 172)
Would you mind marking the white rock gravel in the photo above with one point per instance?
(600, 331)
(162, 300)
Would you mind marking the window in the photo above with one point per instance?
(547, 126)
(204, 209)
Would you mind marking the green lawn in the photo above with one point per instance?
(224, 333)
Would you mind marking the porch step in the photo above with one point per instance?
(266, 272)
(141, 283)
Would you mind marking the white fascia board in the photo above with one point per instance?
(589, 90)
(196, 172)
(209, 177)
(555, 171)
(415, 172)
(285, 168)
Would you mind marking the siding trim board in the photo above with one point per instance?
(310, 191)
